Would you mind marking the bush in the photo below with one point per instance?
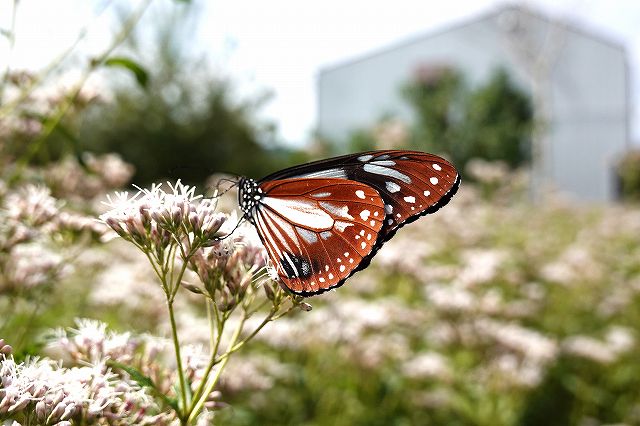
(629, 176)
(492, 122)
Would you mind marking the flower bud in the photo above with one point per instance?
(191, 287)
(305, 306)
(194, 221)
(41, 410)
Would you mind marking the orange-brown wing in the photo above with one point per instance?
(318, 231)
(411, 183)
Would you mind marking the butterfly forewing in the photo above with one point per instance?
(411, 183)
(318, 231)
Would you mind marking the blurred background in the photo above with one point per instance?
(519, 303)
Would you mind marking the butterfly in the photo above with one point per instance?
(323, 221)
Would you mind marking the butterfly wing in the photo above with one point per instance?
(411, 183)
(318, 231)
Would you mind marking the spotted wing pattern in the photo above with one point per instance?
(318, 231)
(411, 183)
(323, 221)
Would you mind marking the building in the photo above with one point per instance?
(578, 82)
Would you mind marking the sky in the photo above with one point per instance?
(281, 45)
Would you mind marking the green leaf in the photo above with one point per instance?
(145, 382)
(141, 75)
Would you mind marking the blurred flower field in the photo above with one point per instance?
(493, 311)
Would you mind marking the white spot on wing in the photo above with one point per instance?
(309, 236)
(300, 213)
(360, 194)
(342, 268)
(321, 195)
(341, 226)
(363, 245)
(325, 235)
(437, 167)
(388, 208)
(328, 173)
(385, 171)
(365, 158)
(427, 193)
(433, 180)
(364, 214)
(342, 212)
(384, 163)
(410, 199)
(392, 187)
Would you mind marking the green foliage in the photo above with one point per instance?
(629, 175)
(437, 98)
(141, 75)
(179, 128)
(498, 122)
(185, 122)
(493, 121)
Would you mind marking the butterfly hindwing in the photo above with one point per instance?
(318, 231)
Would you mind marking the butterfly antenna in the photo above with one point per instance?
(233, 182)
(232, 231)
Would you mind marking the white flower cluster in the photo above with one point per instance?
(58, 395)
(31, 220)
(151, 218)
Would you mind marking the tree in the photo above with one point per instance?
(493, 121)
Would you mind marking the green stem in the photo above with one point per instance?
(160, 276)
(195, 410)
(269, 318)
(212, 359)
(185, 264)
(176, 347)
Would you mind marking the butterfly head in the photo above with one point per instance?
(249, 195)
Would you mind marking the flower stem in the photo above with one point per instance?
(201, 399)
(176, 346)
(212, 362)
